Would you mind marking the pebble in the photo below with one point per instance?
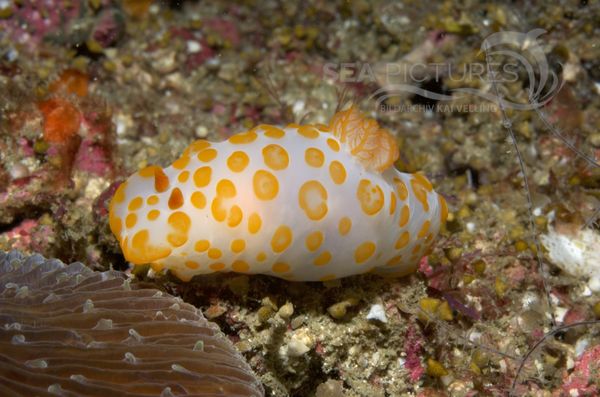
(201, 131)
(377, 312)
(286, 311)
(166, 62)
(228, 72)
(300, 343)
(581, 345)
(331, 388)
(595, 140)
(339, 310)
(18, 171)
(435, 368)
(193, 46)
(297, 322)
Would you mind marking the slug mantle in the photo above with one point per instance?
(304, 203)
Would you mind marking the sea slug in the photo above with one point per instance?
(303, 203)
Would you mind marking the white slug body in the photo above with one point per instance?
(294, 203)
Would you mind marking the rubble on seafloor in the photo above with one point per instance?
(91, 91)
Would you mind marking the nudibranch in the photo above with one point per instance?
(304, 203)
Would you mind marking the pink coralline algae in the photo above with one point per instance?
(95, 152)
(34, 20)
(109, 28)
(21, 233)
(224, 28)
(412, 348)
(583, 380)
(194, 58)
(92, 158)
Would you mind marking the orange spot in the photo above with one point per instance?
(428, 238)
(115, 225)
(192, 265)
(130, 220)
(281, 267)
(214, 253)
(314, 240)
(344, 226)
(364, 251)
(202, 176)
(217, 266)
(148, 172)
(308, 131)
(424, 229)
(240, 266)
(395, 261)
(72, 82)
(142, 251)
(337, 171)
(323, 259)
(392, 202)
(161, 180)
(322, 127)
(261, 256)
(201, 245)
(153, 214)
(61, 120)
(404, 216)
(265, 185)
(218, 209)
(275, 157)
(157, 267)
(207, 155)
(314, 157)
(416, 249)
(235, 216)
(238, 161)
(135, 204)
(420, 192)
(119, 196)
(196, 146)
(152, 200)
(443, 209)
(180, 273)
(175, 199)
(423, 181)
(181, 162)
(401, 189)
(183, 177)
(272, 132)
(370, 197)
(226, 189)
(243, 137)
(198, 200)
(254, 223)
(282, 238)
(333, 144)
(238, 245)
(180, 225)
(402, 241)
(312, 198)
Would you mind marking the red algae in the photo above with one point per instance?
(61, 120)
(71, 81)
